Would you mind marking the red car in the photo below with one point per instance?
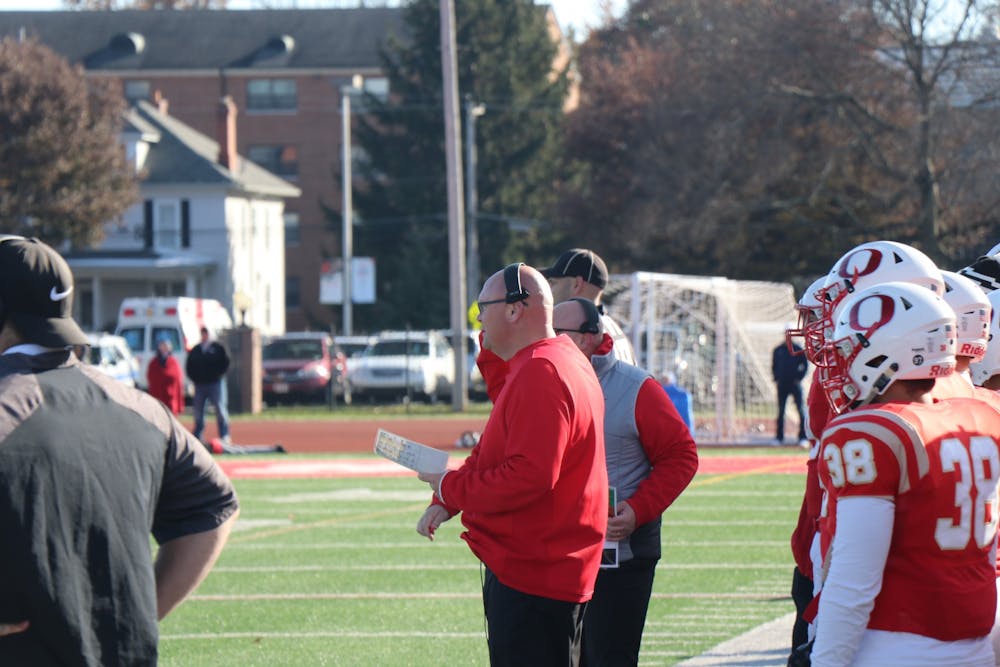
(303, 367)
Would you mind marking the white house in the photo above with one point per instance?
(209, 224)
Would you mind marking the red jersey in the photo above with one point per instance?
(534, 492)
(818, 409)
(939, 464)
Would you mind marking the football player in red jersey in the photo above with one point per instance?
(985, 373)
(972, 329)
(863, 266)
(912, 483)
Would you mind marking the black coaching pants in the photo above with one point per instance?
(616, 616)
(525, 630)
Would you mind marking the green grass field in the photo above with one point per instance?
(332, 572)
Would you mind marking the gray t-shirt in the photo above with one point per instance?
(89, 468)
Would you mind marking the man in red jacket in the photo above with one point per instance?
(534, 491)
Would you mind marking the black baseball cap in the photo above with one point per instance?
(36, 293)
(579, 262)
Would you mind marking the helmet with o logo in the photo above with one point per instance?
(972, 314)
(888, 332)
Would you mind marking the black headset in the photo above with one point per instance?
(3, 239)
(512, 282)
(592, 318)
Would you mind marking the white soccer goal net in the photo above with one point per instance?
(716, 336)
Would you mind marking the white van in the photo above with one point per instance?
(143, 320)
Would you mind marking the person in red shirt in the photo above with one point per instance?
(534, 491)
(651, 458)
(165, 378)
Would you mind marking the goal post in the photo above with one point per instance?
(716, 337)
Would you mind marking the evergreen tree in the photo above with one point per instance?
(506, 61)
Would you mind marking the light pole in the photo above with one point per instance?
(347, 215)
(472, 112)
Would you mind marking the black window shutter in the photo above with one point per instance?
(147, 223)
(185, 223)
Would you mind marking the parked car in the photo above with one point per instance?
(303, 366)
(112, 356)
(476, 384)
(399, 363)
(353, 347)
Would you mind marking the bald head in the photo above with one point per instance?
(577, 318)
(509, 327)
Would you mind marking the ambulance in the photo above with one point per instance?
(142, 321)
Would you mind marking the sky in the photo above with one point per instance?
(579, 14)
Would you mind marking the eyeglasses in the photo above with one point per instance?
(580, 330)
(482, 304)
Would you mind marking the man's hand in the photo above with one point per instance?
(622, 524)
(433, 479)
(13, 628)
(433, 517)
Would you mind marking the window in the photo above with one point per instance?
(279, 160)
(293, 298)
(272, 95)
(291, 228)
(168, 227)
(136, 90)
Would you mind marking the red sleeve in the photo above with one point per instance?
(670, 449)
(538, 423)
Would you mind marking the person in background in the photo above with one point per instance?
(579, 272)
(206, 367)
(788, 367)
(88, 468)
(680, 397)
(533, 492)
(164, 376)
(651, 458)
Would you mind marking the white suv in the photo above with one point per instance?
(112, 356)
(421, 363)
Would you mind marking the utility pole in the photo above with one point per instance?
(472, 112)
(456, 220)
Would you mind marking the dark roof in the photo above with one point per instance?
(182, 155)
(205, 39)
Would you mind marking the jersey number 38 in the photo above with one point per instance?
(976, 467)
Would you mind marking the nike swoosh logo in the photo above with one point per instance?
(59, 296)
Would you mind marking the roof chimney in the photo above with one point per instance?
(228, 157)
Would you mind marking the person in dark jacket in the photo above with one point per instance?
(788, 366)
(206, 367)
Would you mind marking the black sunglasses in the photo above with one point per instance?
(583, 329)
(483, 304)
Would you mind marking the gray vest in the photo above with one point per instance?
(626, 460)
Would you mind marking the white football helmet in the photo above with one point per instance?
(972, 314)
(868, 264)
(810, 309)
(989, 365)
(888, 332)
(994, 250)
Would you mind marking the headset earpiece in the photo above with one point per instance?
(592, 317)
(512, 283)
